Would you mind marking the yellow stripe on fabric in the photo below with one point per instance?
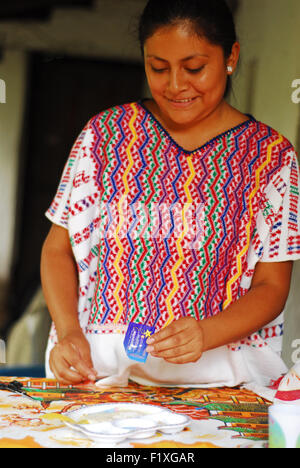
(179, 241)
(244, 250)
(121, 213)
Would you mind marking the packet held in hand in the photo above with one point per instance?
(135, 341)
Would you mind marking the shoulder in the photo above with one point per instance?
(115, 115)
(270, 143)
(269, 136)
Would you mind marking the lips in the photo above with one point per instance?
(181, 103)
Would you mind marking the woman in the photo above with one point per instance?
(178, 212)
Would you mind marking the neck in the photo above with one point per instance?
(211, 120)
(194, 135)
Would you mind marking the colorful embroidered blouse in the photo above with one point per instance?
(159, 232)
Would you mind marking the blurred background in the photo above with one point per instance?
(63, 61)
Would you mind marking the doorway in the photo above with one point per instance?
(64, 93)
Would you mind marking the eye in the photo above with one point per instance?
(158, 70)
(195, 70)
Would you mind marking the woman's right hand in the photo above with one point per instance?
(70, 360)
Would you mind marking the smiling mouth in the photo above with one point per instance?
(182, 101)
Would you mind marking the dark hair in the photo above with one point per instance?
(211, 19)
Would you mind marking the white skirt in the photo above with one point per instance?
(225, 366)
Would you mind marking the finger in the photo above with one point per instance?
(64, 374)
(183, 325)
(175, 352)
(184, 359)
(67, 357)
(169, 343)
(188, 352)
(85, 354)
(164, 333)
(80, 367)
(82, 363)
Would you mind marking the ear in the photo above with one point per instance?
(233, 59)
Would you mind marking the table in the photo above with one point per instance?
(220, 417)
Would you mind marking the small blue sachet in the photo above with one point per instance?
(135, 341)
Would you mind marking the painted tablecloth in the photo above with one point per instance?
(220, 417)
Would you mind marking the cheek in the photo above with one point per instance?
(213, 83)
(152, 85)
(156, 86)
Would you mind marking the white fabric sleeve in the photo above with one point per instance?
(283, 240)
(58, 211)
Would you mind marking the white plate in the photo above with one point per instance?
(116, 422)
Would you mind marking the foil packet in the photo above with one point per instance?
(135, 341)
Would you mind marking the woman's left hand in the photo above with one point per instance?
(180, 342)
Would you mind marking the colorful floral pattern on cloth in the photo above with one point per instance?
(159, 232)
(220, 417)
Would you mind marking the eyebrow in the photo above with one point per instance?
(184, 59)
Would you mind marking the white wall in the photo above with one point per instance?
(270, 61)
(13, 72)
(269, 32)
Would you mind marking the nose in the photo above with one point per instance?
(177, 82)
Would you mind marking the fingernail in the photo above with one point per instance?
(149, 349)
(92, 377)
(150, 341)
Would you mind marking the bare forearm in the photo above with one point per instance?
(259, 306)
(70, 359)
(60, 287)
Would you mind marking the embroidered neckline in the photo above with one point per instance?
(210, 142)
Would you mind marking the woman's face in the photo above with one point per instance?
(187, 75)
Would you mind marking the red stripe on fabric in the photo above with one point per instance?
(290, 395)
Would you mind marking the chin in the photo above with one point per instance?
(184, 118)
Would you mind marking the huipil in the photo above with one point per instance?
(160, 233)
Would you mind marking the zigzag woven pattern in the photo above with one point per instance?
(167, 232)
